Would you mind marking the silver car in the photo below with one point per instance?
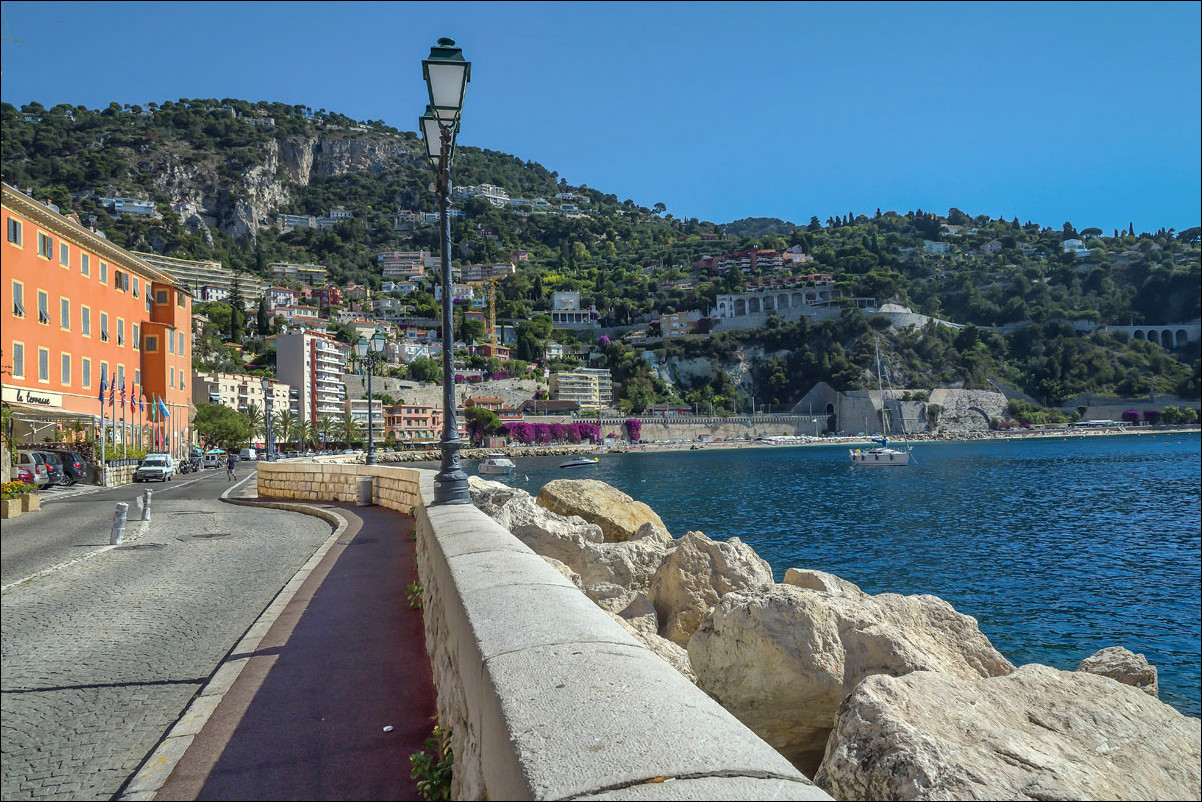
(36, 464)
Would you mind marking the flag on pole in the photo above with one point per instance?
(123, 396)
(112, 392)
(163, 409)
(133, 399)
(103, 387)
(141, 403)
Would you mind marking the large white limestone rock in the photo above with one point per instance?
(1125, 666)
(663, 648)
(782, 658)
(620, 517)
(820, 580)
(696, 574)
(630, 605)
(1037, 734)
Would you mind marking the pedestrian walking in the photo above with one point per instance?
(231, 467)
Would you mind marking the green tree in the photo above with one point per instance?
(220, 425)
(425, 369)
(480, 422)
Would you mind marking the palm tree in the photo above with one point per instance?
(308, 434)
(349, 429)
(285, 425)
(254, 416)
(325, 428)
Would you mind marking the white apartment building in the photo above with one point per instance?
(567, 314)
(313, 364)
(591, 388)
(238, 390)
(313, 275)
(405, 264)
(206, 280)
(493, 194)
(357, 409)
(474, 274)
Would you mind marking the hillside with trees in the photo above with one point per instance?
(221, 171)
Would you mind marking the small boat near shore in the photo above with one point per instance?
(882, 456)
(496, 464)
(579, 462)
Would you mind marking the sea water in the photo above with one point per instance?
(1058, 547)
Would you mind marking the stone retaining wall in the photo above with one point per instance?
(545, 695)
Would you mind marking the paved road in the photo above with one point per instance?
(103, 654)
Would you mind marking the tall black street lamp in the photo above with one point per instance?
(447, 76)
(369, 352)
(270, 444)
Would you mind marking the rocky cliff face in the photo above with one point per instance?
(242, 207)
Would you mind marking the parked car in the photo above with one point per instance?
(25, 475)
(74, 466)
(36, 465)
(212, 459)
(247, 455)
(55, 469)
(155, 466)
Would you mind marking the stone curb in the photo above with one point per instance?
(153, 773)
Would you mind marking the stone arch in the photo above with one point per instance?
(798, 299)
(782, 301)
(1182, 338)
(740, 307)
(830, 409)
(753, 305)
(1138, 334)
(981, 413)
(1153, 336)
(768, 303)
(1166, 338)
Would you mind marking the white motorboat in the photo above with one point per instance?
(496, 464)
(579, 462)
(882, 456)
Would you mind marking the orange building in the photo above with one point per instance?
(77, 309)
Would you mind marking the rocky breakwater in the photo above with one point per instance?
(874, 696)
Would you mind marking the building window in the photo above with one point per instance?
(85, 321)
(138, 377)
(14, 232)
(104, 272)
(161, 297)
(43, 307)
(180, 343)
(121, 375)
(85, 265)
(152, 344)
(148, 299)
(18, 299)
(66, 370)
(18, 360)
(120, 331)
(64, 254)
(64, 314)
(137, 286)
(171, 374)
(45, 246)
(171, 341)
(85, 371)
(44, 365)
(133, 340)
(179, 299)
(104, 327)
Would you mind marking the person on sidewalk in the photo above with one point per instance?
(231, 467)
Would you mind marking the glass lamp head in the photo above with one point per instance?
(361, 347)
(447, 75)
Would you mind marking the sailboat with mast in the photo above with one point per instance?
(882, 456)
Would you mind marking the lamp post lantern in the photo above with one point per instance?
(447, 75)
(270, 443)
(368, 351)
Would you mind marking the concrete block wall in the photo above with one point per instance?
(545, 695)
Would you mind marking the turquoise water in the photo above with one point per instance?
(1057, 547)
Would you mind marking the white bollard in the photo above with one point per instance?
(119, 524)
(146, 495)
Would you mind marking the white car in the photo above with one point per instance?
(155, 466)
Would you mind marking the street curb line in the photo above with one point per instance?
(158, 767)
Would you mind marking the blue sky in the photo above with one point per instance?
(1083, 112)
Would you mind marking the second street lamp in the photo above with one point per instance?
(369, 352)
(268, 444)
(447, 75)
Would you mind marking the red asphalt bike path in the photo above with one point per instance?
(346, 658)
